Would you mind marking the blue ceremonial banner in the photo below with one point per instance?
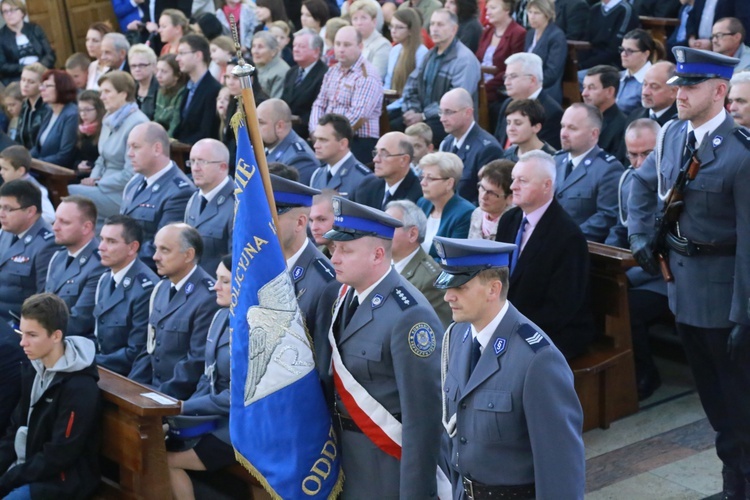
(280, 427)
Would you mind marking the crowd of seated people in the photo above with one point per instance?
(143, 237)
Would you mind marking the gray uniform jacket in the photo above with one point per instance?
(122, 317)
(23, 266)
(346, 180)
(589, 194)
(518, 419)
(180, 327)
(215, 225)
(76, 285)
(717, 211)
(294, 151)
(421, 272)
(157, 205)
(212, 395)
(392, 348)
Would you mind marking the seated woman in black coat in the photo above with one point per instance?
(21, 42)
(56, 142)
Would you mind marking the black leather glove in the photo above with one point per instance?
(640, 246)
(738, 344)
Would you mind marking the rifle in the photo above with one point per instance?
(673, 207)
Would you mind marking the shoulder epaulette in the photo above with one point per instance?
(325, 269)
(181, 183)
(46, 233)
(403, 298)
(209, 283)
(743, 135)
(144, 281)
(299, 147)
(606, 156)
(533, 338)
(363, 169)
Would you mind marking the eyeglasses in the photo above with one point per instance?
(6, 208)
(140, 66)
(449, 112)
(200, 163)
(186, 52)
(427, 179)
(492, 194)
(10, 10)
(629, 52)
(718, 36)
(635, 156)
(383, 154)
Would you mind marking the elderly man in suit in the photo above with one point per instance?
(658, 100)
(707, 248)
(549, 272)
(180, 312)
(339, 169)
(302, 82)
(394, 178)
(739, 98)
(473, 145)
(74, 271)
(384, 339)
(159, 192)
(211, 209)
(283, 145)
(586, 181)
(122, 295)
(26, 246)
(508, 394)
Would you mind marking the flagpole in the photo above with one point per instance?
(244, 72)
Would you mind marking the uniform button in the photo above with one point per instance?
(463, 406)
(364, 352)
(158, 342)
(490, 405)
(463, 440)
(157, 359)
(446, 389)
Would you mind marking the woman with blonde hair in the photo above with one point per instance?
(407, 53)
(269, 64)
(142, 62)
(222, 51)
(547, 40)
(173, 25)
(363, 14)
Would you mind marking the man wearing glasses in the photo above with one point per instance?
(728, 39)
(158, 192)
(26, 246)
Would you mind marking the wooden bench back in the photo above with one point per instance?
(54, 177)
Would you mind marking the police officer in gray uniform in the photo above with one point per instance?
(587, 176)
(312, 273)
(211, 209)
(122, 295)
(26, 247)
(708, 248)
(181, 309)
(389, 338)
(159, 192)
(74, 271)
(283, 145)
(509, 405)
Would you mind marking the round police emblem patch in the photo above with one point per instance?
(422, 340)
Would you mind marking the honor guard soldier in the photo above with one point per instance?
(701, 170)
(283, 145)
(27, 244)
(122, 295)
(386, 340)
(509, 404)
(181, 309)
(74, 271)
(159, 191)
(312, 273)
(211, 208)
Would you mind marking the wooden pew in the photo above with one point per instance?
(571, 89)
(54, 177)
(660, 27)
(389, 96)
(179, 152)
(484, 107)
(133, 438)
(605, 376)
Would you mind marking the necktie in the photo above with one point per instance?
(172, 292)
(329, 175)
(69, 261)
(652, 115)
(519, 239)
(140, 188)
(387, 197)
(300, 76)
(112, 285)
(476, 352)
(455, 149)
(568, 168)
(13, 240)
(204, 202)
(689, 147)
(353, 305)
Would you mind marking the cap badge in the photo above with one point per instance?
(336, 206)
(439, 249)
(680, 56)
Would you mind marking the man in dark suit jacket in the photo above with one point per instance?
(199, 119)
(302, 83)
(394, 178)
(474, 146)
(572, 16)
(524, 78)
(658, 99)
(549, 280)
(600, 89)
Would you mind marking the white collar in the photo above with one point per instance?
(366, 292)
(401, 265)
(119, 275)
(179, 284)
(392, 189)
(294, 258)
(158, 175)
(707, 127)
(638, 75)
(579, 159)
(212, 194)
(485, 335)
(611, 5)
(535, 95)
(336, 166)
(460, 142)
(78, 252)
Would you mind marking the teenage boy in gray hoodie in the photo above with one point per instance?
(51, 448)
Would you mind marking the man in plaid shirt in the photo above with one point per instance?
(352, 88)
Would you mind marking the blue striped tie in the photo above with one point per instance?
(519, 239)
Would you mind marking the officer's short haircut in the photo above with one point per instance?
(85, 205)
(421, 130)
(198, 43)
(530, 108)
(78, 60)
(189, 238)
(48, 310)
(734, 25)
(131, 229)
(406, 148)
(740, 77)
(17, 157)
(609, 76)
(496, 273)
(592, 112)
(449, 165)
(283, 171)
(342, 129)
(499, 173)
(644, 124)
(531, 64)
(325, 196)
(155, 133)
(413, 216)
(25, 192)
(279, 110)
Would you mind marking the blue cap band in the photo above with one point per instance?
(482, 259)
(302, 200)
(366, 225)
(704, 69)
